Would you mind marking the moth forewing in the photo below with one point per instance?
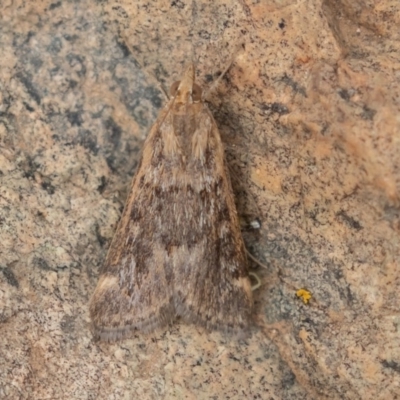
(178, 249)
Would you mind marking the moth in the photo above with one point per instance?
(178, 249)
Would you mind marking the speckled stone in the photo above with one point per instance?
(309, 114)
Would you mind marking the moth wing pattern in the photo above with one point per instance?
(178, 249)
(212, 287)
(132, 291)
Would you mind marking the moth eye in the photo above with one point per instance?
(196, 93)
(174, 88)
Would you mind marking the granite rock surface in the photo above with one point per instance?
(309, 114)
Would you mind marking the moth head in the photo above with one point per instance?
(177, 91)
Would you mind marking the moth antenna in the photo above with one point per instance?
(223, 73)
(148, 73)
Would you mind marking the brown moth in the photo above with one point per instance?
(178, 249)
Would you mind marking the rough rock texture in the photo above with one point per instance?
(309, 114)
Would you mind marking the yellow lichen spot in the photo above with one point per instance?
(304, 294)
